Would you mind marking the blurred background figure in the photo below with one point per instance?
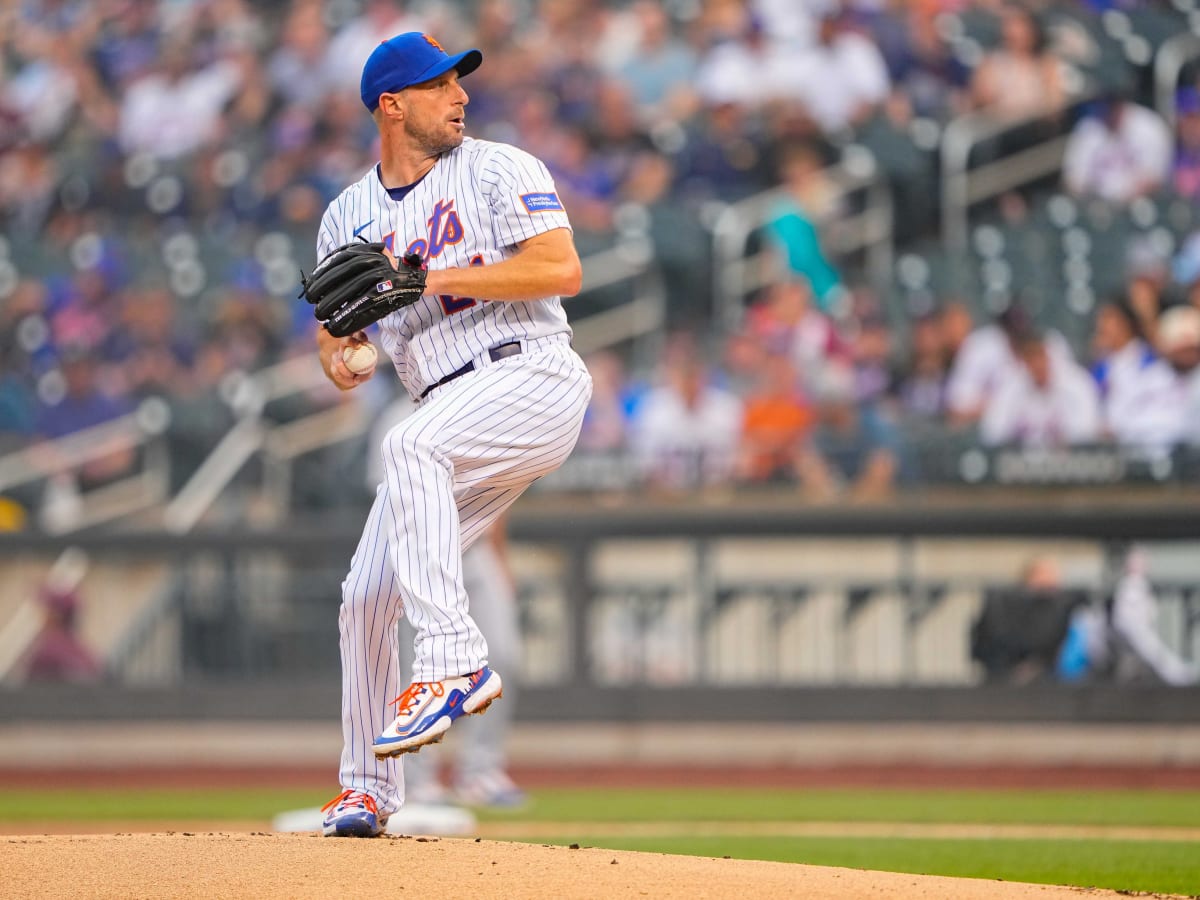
(1119, 152)
(1020, 77)
(922, 389)
(841, 79)
(744, 64)
(922, 65)
(987, 357)
(606, 422)
(375, 21)
(793, 225)
(1020, 630)
(58, 653)
(299, 68)
(660, 68)
(1120, 354)
(777, 421)
(722, 154)
(786, 319)
(855, 449)
(176, 107)
(686, 429)
(1138, 650)
(1152, 415)
(1048, 402)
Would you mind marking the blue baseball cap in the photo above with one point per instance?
(409, 59)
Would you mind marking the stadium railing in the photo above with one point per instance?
(54, 465)
(967, 181)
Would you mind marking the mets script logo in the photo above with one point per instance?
(434, 42)
(444, 229)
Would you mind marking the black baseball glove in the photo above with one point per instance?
(356, 285)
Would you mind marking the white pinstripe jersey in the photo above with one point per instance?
(472, 208)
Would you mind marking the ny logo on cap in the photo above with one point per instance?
(434, 42)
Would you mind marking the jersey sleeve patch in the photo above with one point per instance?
(543, 202)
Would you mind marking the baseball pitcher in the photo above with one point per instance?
(461, 250)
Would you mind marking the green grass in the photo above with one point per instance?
(1161, 866)
(1125, 808)
(1128, 808)
(91, 805)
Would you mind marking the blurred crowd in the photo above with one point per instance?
(793, 398)
(163, 165)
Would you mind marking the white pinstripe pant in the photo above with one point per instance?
(450, 470)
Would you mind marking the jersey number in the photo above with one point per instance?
(452, 304)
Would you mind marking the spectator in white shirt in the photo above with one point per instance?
(686, 430)
(1157, 412)
(1047, 402)
(842, 79)
(986, 359)
(748, 69)
(177, 110)
(1120, 153)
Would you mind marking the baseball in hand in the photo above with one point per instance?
(360, 358)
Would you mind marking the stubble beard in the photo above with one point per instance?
(434, 142)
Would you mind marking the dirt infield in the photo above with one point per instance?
(264, 866)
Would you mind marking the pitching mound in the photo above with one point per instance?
(260, 865)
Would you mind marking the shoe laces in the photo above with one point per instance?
(351, 797)
(406, 701)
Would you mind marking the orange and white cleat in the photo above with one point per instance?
(353, 814)
(427, 709)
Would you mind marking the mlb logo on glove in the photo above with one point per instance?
(346, 290)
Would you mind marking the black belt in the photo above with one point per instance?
(497, 353)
